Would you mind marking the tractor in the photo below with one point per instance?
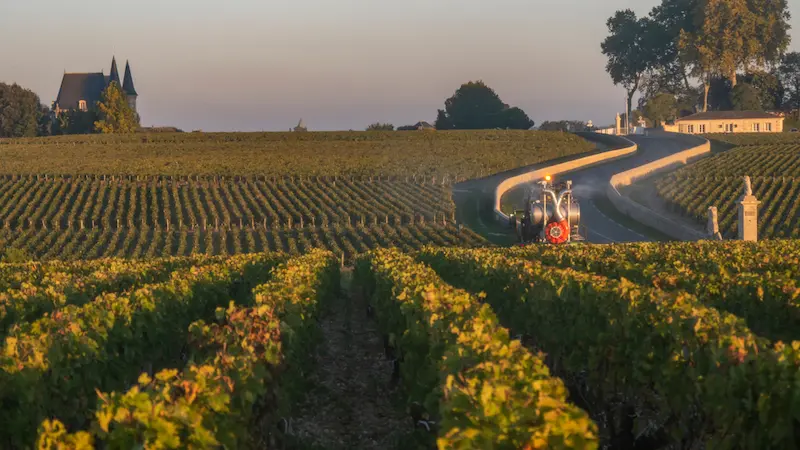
(552, 215)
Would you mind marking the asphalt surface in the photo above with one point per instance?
(592, 182)
(474, 199)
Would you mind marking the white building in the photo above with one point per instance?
(728, 122)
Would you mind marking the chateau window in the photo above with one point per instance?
(756, 127)
(768, 126)
(729, 128)
(691, 128)
(702, 128)
(82, 105)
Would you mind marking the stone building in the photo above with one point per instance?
(728, 122)
(81, 91)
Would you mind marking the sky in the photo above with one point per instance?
(253, 65)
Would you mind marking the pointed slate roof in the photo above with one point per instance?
(127, 85)
(80, 86)
(114, 75)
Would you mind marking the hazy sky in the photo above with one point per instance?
(253, 65)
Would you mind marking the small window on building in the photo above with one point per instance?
(729, 128)
(702, 128)
(82, 105)
(691, 128)
(768, 126)
(756, 127)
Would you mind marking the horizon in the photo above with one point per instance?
(248, 66)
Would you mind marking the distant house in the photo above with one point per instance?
(424, 126)
(81, 91)
(728, 122)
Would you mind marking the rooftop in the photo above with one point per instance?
(728, 115)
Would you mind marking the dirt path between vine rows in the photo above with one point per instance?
(352, 404)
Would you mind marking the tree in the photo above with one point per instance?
(476, 106)
(45, 124)
(75, 122)
(377, 126)
(628, 54)
(769, 87)
(442, 121)
(789, 74)
(661, 108)
(115, 116)
(729, 35)
(771, 33)
(744, 97)
(668, 20)
(515, 119)
(20, 111)
(719, 94)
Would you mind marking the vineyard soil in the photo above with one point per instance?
(352, 403)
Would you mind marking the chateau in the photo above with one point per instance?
(81, 91)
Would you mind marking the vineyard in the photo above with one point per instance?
(451, 155)
(152, 195)
(627, 346)
(773, 163)
(86, 217)
(138, 243)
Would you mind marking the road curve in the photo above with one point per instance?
(592, 182)
(474, 199)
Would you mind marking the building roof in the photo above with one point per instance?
(114, 75)
(127, 85)
(423, 124)
(80, 86)
(728, 115)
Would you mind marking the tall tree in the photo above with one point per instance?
(20, 111)
(789, 73)
(733, 35)
(771, 38)
(476, 106)
(627, 50)
(669, 19)
(115, 116)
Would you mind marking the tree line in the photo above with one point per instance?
(473, 106)
(23, 115)
(687, 56)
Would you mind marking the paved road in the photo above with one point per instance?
(474, 198)
(588, 183)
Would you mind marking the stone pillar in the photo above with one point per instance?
(748, 214)
(713, 224)
(618, 125)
